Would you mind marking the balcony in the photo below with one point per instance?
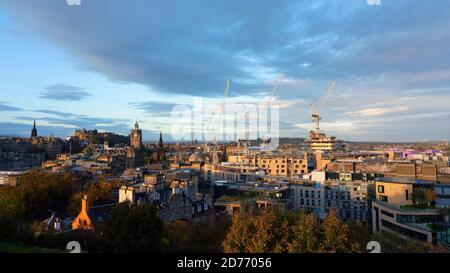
(407, 209)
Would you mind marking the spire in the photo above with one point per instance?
(160, 152)
(34, 130)
(136, 125)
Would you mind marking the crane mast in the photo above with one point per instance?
(318, 104)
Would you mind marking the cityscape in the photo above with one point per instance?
(285, 128)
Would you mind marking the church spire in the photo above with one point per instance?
(160, 151)
(34, 130)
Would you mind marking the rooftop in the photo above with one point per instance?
(403, 180)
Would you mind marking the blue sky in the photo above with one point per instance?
(107, 63)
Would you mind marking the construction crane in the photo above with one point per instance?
(222, 111)
(223, 106)
(269, 103)
(225, 95)
(275, 87)
(318, 104)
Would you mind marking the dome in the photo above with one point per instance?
(197, 157)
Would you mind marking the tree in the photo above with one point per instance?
(133, 230)
(283, 232)
(359, 232)
(12, 211)
(250, 234)
(99, 193)
(336, 236)
(305, 234)
(416, 247)
(41, 192)
(179, 235)
(268, 232)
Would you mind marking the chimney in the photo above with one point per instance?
(84, 203)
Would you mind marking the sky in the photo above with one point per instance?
(109, 63)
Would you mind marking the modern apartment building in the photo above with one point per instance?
(407, 209)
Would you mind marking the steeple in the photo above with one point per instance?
(136, 125)
(34, 130)
(160, 151)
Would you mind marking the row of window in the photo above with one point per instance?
(306, 193)
(309, 202)
(284, 161)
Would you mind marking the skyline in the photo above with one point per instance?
(108, 70)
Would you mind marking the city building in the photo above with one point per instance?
(407, 209)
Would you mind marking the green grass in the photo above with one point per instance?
(18, 248)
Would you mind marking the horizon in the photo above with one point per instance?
(167, 138)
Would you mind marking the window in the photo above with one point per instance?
(383, 198)
(380, 189)
(407, 195)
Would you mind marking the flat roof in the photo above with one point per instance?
(403, 180)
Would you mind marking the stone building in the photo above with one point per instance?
(135, 152)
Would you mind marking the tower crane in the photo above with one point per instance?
(275, 87)
(225, 96)
(269, 102)
(318, 104)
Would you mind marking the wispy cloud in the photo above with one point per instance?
(375, 112)
(6, 107)
(154, 107)
(63, 92)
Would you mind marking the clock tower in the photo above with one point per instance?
(136, 137)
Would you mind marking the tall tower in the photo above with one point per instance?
(34, 130)
(161, 154)
(136, 137)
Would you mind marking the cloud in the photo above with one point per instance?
(391, 62)
(63, 92)
(6, 107)
(375, 112)
(155, 108)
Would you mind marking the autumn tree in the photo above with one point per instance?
(275, 232)
(12, 211)
(40, 192)
(305, 234)
(336, 236)
(100, 192)
(250, 234)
